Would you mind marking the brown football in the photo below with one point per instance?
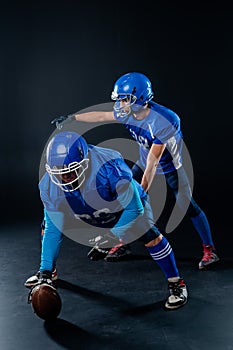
(46, 302)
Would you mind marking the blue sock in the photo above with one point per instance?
(202, 226)
(163, 254)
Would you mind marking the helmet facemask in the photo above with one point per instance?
(68, 178)
(123, 104)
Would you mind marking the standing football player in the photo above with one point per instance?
(157, 130)
(86, 184)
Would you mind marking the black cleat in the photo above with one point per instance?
(118, 252)
(178, 294)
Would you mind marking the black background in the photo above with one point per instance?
(58, 57)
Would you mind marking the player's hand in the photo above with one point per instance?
(60, 121)
(102, 246)
(96, 253)
(45, 277)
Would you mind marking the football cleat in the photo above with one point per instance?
(178, 294)
(33, 280)
(119, 252)
(209, 257)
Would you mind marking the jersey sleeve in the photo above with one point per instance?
(51, 195)
(119, 171)
(52, 239)
(166, 128)
(164, 135)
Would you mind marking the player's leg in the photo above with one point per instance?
(137, 171)
(202, 226)
(179, 179)
(161, 252)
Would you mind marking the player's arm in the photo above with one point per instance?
(95, 116)
(153, 159)
(90, 117)
(130, 200)
(52, 239)
(131, 203)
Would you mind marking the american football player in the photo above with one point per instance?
(157, 130)
(89, 185)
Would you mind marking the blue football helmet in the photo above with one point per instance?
(67, 160)
(135, 90)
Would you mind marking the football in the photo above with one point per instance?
(46, 302)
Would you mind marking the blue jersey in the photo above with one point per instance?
(161, 126)
(98, 201)
(109, 198)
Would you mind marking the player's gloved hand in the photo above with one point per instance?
(63, 119)
(44, 277)
(94, 240)
(102, 246)
(97, 253)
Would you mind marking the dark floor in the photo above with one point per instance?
(113, 306)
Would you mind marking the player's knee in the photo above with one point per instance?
(154, 241)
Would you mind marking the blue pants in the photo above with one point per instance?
(172, 181)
